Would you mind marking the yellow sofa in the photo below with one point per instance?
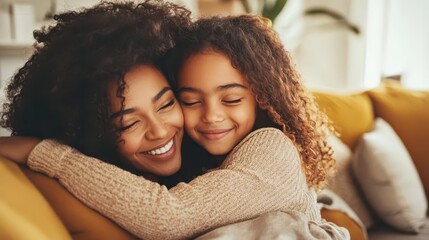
(33, 206)
(407, 112)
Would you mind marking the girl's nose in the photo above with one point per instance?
(213, 113)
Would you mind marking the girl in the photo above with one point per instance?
(243, 81)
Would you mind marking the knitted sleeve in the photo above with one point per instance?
(263, 173)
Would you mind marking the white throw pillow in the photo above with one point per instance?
(389, 179)
(344, 185)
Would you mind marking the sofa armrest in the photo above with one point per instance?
(82, 222)
(25, 214)
(35, 206)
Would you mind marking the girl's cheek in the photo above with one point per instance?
(190, 118)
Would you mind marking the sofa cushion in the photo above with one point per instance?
(25, 214)
(344, 184)
(383, 232)
(407, 111)
(389, 178)
(341, 219)
(352, 114)
(81, 221)
(334, 209)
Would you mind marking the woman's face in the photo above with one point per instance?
(217, 103)
(151, 122)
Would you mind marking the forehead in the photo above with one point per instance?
(142, 83)
(209, 69)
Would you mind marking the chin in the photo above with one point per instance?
(170, 171)
(217, 152)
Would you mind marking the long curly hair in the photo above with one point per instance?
(60, 92)
(255, 50)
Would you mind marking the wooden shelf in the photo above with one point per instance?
(15, 48)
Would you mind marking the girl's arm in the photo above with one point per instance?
(263, 173)
(17, 148)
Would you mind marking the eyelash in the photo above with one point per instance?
(189, 103)
(232, 102)
(169, 104)
(125, 128)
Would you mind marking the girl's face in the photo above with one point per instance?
(217, 103)
(151, 122)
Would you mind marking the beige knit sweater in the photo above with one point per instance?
(263, 173)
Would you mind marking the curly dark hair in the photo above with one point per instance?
(255, 50)
(60, 92)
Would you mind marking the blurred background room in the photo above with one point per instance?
(337, 44)
(364, 60)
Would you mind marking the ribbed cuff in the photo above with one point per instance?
(47, 157)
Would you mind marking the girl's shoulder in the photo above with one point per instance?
(263, 149)
(263, 134)
(266, 138)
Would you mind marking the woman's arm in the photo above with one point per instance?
(263, 173)
(17, 148)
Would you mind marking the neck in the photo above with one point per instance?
(216, 160)
(150, 177)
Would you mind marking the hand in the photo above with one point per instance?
(17, 148)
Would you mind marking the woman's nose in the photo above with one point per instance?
(157, 129)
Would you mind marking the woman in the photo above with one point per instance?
(60, 93)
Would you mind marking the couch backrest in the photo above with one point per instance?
(407, 111)
(351, 114)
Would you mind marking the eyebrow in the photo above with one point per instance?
(160, 94)
(131, 110)
(218, 89)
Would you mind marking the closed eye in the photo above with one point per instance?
(189, 103)
(235, 101)
(125, 128)
(169, 104)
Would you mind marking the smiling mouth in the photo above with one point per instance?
(167, 147)
(214, 134)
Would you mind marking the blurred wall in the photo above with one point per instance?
(394, 39)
